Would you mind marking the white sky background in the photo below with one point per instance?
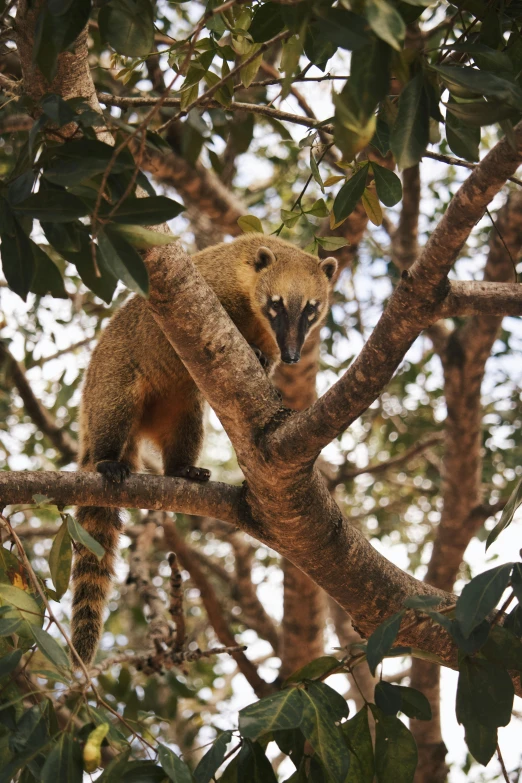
(252, 169)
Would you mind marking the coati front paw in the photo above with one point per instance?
(191, 472)
(264, 361)
(115, 472)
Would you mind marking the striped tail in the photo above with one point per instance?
(91, 578)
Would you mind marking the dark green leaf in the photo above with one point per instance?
(280, 711)
(320, 714)
(60, 559)
(515, 499)
(124, 261)
(332, 243)
(21, 187)
(484, 694)
(410, 133)
(143, 772)
(350, 193)
(464, 82)
(58, 110)
(114, 772)
(381, 137)
(9, 662)
(480, 596)
(53, 34)
(481, 741)
(478, 113)
(462, 139)
(382, 640)
(213, 758)
(502, 646)
(315, 171)
(10, 625)
(47, 278)
(357, 731)
(17, 261)
(342, 28)
(421, 601)
(253, 765)
(388, 697)
(414, 704)
(147, 211)
(175, 768)
(50, 648)
(128, 26)
(81, 536)
(474, 641)
(395, 749)
(315, 669)
(267, 22)
(516, 581)
(57, 206)
(64, 762)
(388, 187)
(370, 76)
(487, 59)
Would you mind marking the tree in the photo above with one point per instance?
(188, 90)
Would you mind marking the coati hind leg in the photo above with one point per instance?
(181, 444)
(113, 434)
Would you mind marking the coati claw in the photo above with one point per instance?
(263, 360)
(192, 473)
(113, 471)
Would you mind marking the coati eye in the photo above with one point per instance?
(275, 306)
(311, 310)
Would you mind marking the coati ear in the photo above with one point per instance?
(264, 257)
(329, 266)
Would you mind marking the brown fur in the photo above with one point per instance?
(136, 388)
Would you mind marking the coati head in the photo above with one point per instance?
(291, 292)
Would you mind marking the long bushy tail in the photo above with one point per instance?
(91, 578)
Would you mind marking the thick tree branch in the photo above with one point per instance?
(482, 299)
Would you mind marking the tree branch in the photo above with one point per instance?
(412, 307)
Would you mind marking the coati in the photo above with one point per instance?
(136, 388)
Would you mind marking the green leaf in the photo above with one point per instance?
(395, 749)
(17, 261)
(57, 206)
(422, 602)
(124, 262)
(350, 193)
(319, 209)
(478, 113)
(387, 698)
(53, 34)
(81, 536)
(480, 596)
(386, 22)
(128, 26)
(485, 694)
(322, 708)
(9, 662)
(175, 768)
(60, 559)
(253, 766)
(381, 137)
(357, 731)
(481, 741)
(472, 643)
(332, 243)
(315, 669)
(279, 711)
(382, 640)
(250, 224)
(316, 173)
(64, 762)
(143, 238)
(143, 772)
(213, 758)
(23, 601)
(387, 185)
(47, 278)
(465, 81)
(113, 773)
(267, 22)
(372, 206)
(410, 133)
(59, 111)
(414, 704)
(370, 77)
(289, 218)
(462, 139)
(10, 625)
(147, 211)
(515, 500)
(516, 580)
(342, 28)
(503, 647)
(50, 648)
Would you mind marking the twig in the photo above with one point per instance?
(176, 602)
(502, 765)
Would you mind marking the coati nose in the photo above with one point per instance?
(290, 357)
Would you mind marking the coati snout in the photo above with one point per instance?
(137, 389)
